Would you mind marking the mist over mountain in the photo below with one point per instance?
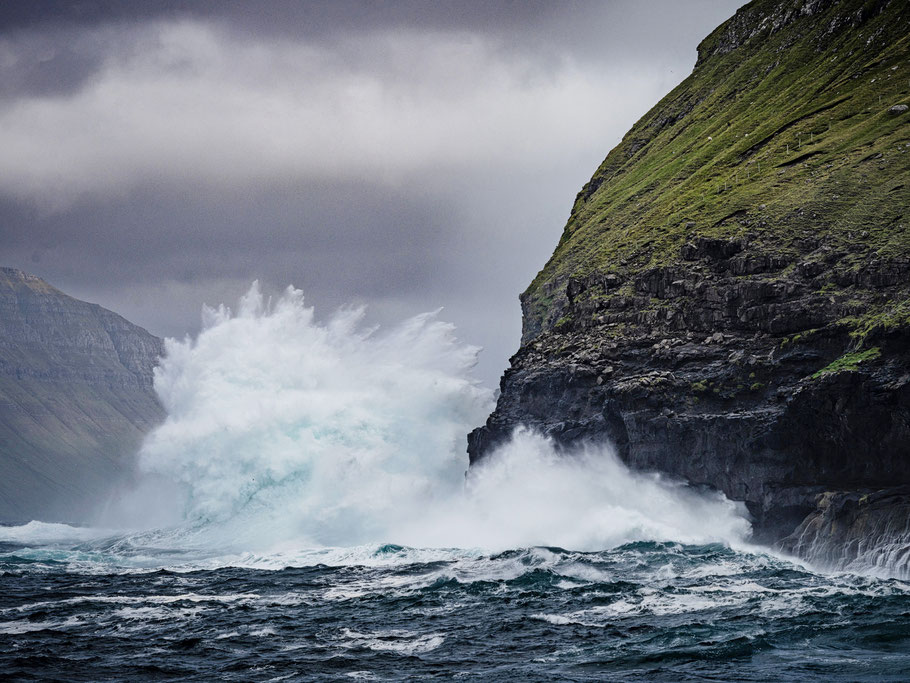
(76, 398)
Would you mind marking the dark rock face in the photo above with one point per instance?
(857, 529)
(76, 398)
(715, 388)
(750, 334)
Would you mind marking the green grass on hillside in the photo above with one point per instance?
(849, 361)
(787, 138)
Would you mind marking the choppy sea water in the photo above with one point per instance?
(642, 611)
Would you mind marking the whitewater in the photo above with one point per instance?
(305, 513)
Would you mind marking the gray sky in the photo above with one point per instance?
(406, 155)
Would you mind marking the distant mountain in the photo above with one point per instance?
(76, 398)
(729, 301)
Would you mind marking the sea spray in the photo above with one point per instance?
(282, 427)
(530, 493)
(284, 432)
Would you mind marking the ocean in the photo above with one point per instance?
(304, 513)
(113, 610)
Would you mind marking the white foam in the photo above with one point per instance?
(14, 628)
(556, 619)
(46, 533)
(147, 614)
(393, 640)
(296, 442)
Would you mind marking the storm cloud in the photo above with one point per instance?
(405, 155)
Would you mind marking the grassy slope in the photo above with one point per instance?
(791, 130)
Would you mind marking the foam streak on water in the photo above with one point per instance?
(642, 611)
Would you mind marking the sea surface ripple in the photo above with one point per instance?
(642, 611)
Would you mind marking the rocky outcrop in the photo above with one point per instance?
(730, 299)
(728, 389)
(76, 398)
(857, 530)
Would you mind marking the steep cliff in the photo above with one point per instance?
(75, 399)
(730, 299)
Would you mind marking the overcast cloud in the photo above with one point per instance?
(404, 155)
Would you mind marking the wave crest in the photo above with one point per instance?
(284, 432)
